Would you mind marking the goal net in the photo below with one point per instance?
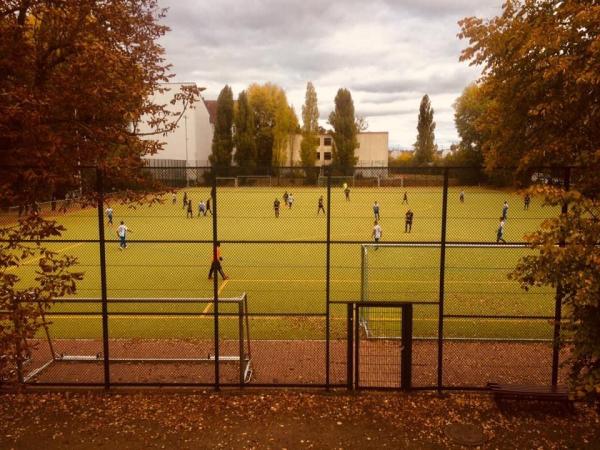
(227, 181)
(336, 181)
(395, 272)
(254, 180)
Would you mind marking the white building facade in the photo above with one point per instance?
(190, 143)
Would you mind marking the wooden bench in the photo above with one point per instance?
(531, 392)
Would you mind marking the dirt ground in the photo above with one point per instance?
(465, 363)
(288, 419)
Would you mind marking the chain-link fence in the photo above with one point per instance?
(231, 278)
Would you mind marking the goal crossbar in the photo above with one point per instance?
(225, 179)
(337, 179)
(241, 179)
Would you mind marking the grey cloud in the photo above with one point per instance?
(384, 51)
(438, 83)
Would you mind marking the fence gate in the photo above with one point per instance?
(379, 345)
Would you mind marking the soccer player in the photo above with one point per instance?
(461, 196)
(216, 263)
(109, 215)
(347, 192)
(185, 200)
(285, 198)
(174, 197)
(276, 205)
(405, 198)
(201, 208)
(320, 207)
(122, 231)
(408, 220)
(526, 201)
(500, 232)
(376, 210)
(376, 232)
(505, 210)
(290, 200)
(190, 213)
(208, 210)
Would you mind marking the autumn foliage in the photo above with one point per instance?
(76, 76)
(541, 83)
(539, 93)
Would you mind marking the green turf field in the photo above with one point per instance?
(290, 277)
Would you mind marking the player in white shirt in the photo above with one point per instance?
(122, 233)
(376, 232)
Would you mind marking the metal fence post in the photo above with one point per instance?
(241, 341)
(213, 193)
(442, 277)
(17, 318)
(328, 282)
(406, 357)
(350, 348)
(559, 295)
(103, 287)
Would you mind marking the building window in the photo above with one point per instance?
(327, 156)
(318, 155)
(327, 142)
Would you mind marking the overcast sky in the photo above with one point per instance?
(389, 53)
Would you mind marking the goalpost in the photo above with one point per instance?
(253, 180)
(367, 181)
(238, 311)
(336, 181)
(394, 273)
(227, 181)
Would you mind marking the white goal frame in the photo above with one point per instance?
(322, 180)
(235, 181)
(377, 179)
(243, 358)
(251, 177)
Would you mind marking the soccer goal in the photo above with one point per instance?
(393, 181)
(395, 273)
(336, 181)
(227, 181)
(234, 351)
(370, 181)
(253, 180)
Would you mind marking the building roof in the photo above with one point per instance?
(211, 106)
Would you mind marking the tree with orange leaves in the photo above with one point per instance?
(76, 76)
(541, 82)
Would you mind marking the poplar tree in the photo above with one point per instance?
(245, 145)
(222, 145)
(425, 146)
(310, 132)
(344, 136)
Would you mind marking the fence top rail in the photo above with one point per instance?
(386, 303)
(448, 244)
(239, 299)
